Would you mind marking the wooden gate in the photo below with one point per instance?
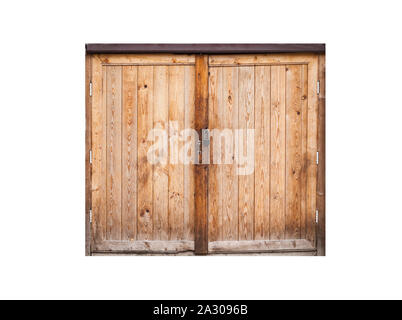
(202, 153)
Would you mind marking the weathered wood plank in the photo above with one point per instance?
(262, 150)
(189, 153)
(113, 158)
(303, 176)
(278, 125)
(260, 59)
(259, 245)
(215, 168)
(293, 151)
(201, 171)
(321, 163)
(246, 181)
(230, 179)
(145, 172)
(98, 151)
(147, 59)
(88, 146)
(176, 168)
(141, 246)
(312, 150)
(129, 154)
(160, 171)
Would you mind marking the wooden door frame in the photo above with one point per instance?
(202, 62)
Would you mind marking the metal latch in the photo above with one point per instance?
(316, 216)
(90, 89)
(90, 215)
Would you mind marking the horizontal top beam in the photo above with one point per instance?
(206, 48)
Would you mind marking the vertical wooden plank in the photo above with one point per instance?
(88, 143)
(189, 181)
(113, 158)
(278, 125)
(321, 163)
(262, 150)
(176, 168)
(303, 177)
(98, 150)
(230, 119)
(160, 172)
(145, 174)
(201, 171)
(246, 182)
(129, 154)
(312, 151)
(293, 151)
(215, 168)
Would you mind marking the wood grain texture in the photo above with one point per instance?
(113, 154)
(145, 246)
(201, 171)
(260, 59)
(145, 169)
(262, 151)
(303, 175)
(230, 179)
(129, 154)
(88, 146)
(135, 202)
(160, 171)
(260, 246)
(312, 150)
(278, 149)
(176, 168)
(293, 151)
(98, 151)
(321, 165)
(215, 168)
(147, 59)
(246, 182)
(190, 153)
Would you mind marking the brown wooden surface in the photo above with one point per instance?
(321, 164)
(113, 153)
(161, 173)
(134, 202)
(98, 150)
(129, 154)
(88, 143)
(134, 199)
(246, 182)
(272, 203)
(201, 171)
(278, 149)
(262, 151)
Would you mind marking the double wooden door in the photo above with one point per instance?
(204, 154)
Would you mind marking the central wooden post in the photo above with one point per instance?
(201, 170)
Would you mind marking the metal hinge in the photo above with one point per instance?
(90, 156)
(90, 88)
(316, 216)
(318, 157)
(318, 87)
(90, 215)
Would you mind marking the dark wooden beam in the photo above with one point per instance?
(201, 170)
(205, 48)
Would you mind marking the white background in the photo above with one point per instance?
(42, 149)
